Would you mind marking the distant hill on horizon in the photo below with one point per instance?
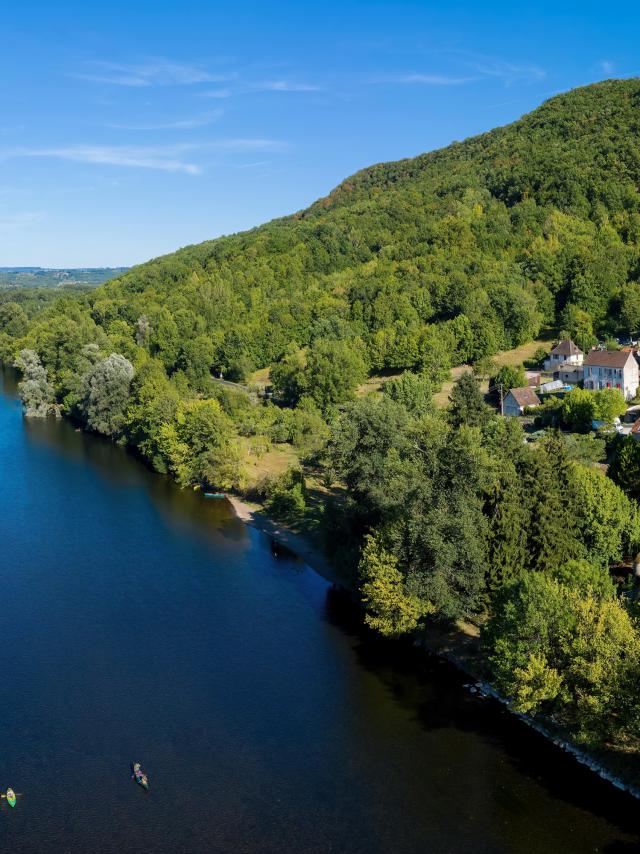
(57, 277)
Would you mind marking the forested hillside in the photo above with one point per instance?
(410, 267)
(456, 253)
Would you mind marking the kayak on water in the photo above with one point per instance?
(214, 495)
(11, 797)
(139, 776)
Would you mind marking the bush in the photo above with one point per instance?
(537, 360)
(285, 495)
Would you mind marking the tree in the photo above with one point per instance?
(369, 451)
(334, 370)
(143, 330)
(390, 608)
(105, 394)
(508, 377)
(578, 409)
(13, 319)
(625, 466)
(200, 446)
(508, 517)
(286, 495)
(196, 359)
(609, 404)
(413, 391)
(288, 375)
(607, 523)
(630, 307)
(153, 404)
(164, 339)
(466, 404)
(557, 649)
(577, 324)
(587, 578)
(35, 389)
(552, 537)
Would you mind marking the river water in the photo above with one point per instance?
(144, 623)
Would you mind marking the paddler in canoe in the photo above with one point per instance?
(11, 797)
(139, 776)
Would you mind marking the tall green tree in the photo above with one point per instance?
(466, 403)
(105, 394)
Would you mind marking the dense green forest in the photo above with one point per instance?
(408, 268)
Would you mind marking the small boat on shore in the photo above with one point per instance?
(11, 797)
(140, 777)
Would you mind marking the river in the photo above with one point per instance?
(142, 622)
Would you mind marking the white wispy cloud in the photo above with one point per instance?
(253, 165)
(285, 86)
(164, 159)
(474, 67)
(218, 93)
(158, 72)
(250, 87)
(171, 158)
(607, 66)
(426, 79)
(508, 72)
(180, 124)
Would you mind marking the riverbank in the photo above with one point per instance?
(459, 645)
(255, 515)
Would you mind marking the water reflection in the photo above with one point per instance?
(148, 623)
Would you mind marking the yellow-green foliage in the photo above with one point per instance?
(200, 446)
(391, 608)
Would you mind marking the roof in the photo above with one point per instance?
(608, 358)
(568, 366)
(525, 396)
(566, 348)
(554, 385)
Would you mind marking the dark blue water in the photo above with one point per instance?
(141, 622)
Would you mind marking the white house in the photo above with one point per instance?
(564, 351)
(518, 399)
(612, 369)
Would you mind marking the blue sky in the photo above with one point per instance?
(131, 129)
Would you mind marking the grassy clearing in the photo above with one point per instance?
(518, 355)
(260, 378)
(507, 357)
(273, 462)
(374, 384)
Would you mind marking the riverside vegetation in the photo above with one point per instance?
(408, 268)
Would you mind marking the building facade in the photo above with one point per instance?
(612, 369)
(564, 352)
(519, 399)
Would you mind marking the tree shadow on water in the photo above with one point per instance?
(432, 693)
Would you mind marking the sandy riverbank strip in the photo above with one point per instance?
(254, 515)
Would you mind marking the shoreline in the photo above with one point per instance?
(452, 646)
(299, 544)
